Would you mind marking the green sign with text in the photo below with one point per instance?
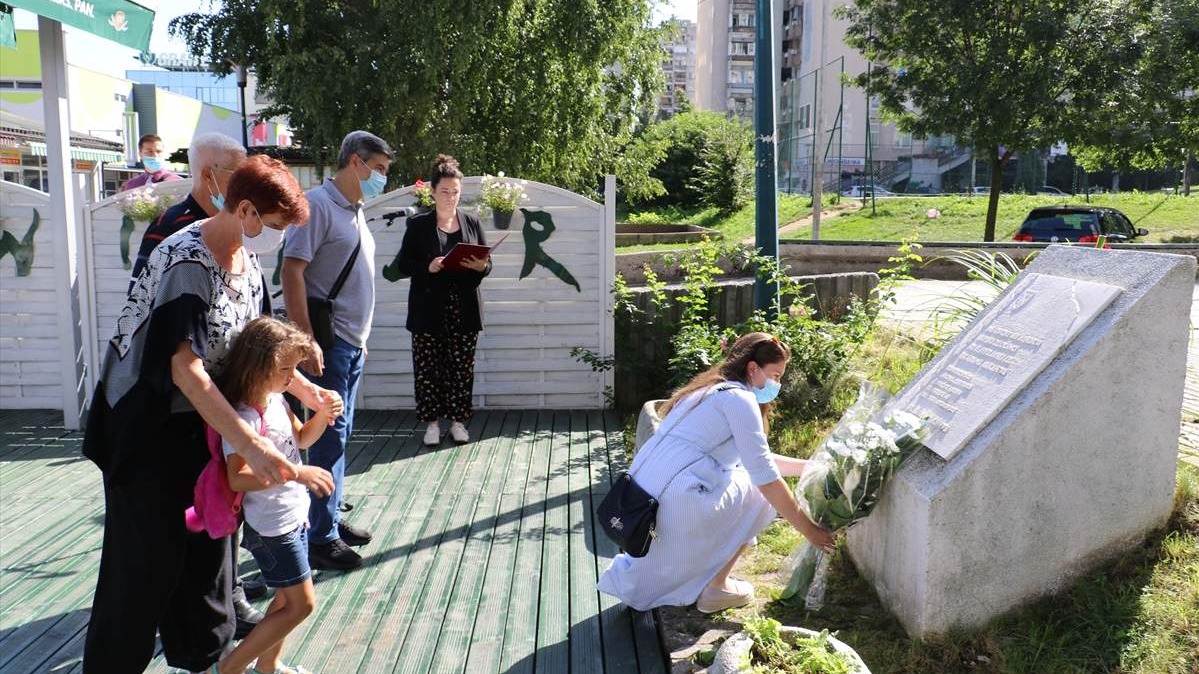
(121, 21)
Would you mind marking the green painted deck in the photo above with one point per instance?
(484, 558)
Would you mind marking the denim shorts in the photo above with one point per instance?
(283, 559)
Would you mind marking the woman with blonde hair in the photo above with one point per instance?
(717, 483)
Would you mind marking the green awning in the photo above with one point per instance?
(121, 21)
(38, 149)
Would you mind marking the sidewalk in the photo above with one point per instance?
(914, 311)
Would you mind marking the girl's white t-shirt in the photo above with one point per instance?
(276, 510)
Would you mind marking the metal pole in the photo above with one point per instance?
(765, 293)
(241, 89)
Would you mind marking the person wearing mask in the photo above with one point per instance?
(145, 429)
(212, 157)
(717, 483)
(445, 308)
(153, 159)
(337, 240)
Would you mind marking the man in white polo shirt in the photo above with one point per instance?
(334, 258)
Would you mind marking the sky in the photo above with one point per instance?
(108, 57)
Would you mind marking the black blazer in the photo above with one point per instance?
(427, 293)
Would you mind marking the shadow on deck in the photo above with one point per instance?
(484, 556)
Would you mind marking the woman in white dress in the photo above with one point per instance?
(717, 483)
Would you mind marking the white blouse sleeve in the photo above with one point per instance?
(745, 422)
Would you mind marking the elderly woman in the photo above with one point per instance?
(445, 309)
(145, 430)
(717, 483)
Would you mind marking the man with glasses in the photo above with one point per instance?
(213, 157)
(333, 258)
(153, 160)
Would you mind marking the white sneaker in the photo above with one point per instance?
(458, 432)
(433, 434)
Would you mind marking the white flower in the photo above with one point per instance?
(851, 481)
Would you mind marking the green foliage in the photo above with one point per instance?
(700, 158)
(694, 341)
(1150, 118)
(807, 655)
(544, 89)
(999, 76)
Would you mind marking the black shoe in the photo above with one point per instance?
(248, 617)
(345, 506)
(333, 556)
(352, 535)
(254, 587)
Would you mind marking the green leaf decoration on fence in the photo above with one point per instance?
(21, 251)
(539, 225)
(126, 233)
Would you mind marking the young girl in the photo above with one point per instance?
(258, 369)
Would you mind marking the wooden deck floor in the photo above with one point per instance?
(484, 558)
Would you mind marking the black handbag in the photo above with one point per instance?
(629, 514)
(320, 309)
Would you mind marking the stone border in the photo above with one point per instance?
(835, 257)
(733, 654)
(635, 234)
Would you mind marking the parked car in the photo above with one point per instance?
(859, 191)
(1051, 191)
(1077, 224)
(980, 190)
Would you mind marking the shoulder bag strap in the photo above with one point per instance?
(345, 271)
(663, 433)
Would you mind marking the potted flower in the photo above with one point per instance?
(501, 196)
(423, 193)
(141, 204)
(767, 646)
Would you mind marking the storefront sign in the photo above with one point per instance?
(121, 21)
(10, 157)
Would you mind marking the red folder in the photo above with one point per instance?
(461, 251)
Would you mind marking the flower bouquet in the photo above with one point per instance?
(423, 193)
(846, 475)
(143, 204)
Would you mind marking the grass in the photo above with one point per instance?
(737, 225)
(1138, 614)
(1169, 218)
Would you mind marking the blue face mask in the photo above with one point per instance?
(373, 185)
(218, 199)
(152, 164)
(768, 392)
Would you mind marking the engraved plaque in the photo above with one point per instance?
(999, 353)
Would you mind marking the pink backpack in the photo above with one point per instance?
(217, 508)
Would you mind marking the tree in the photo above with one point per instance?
(543, 89)
(700, 158)
(1151, 119)
(1004, 77)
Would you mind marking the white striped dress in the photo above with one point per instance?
(711, 507)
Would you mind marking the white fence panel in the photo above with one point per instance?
(530, 324)
(30, 359)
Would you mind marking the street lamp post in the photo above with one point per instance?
(241, 89)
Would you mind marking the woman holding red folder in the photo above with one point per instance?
(445, 309)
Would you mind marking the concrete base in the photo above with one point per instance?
(1077, 468)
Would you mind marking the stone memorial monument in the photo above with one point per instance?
(1054, 440)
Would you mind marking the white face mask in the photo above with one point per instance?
(266, 241)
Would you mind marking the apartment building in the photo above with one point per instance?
(815, 114)
(678, 67)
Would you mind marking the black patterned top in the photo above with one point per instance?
(183, 295)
